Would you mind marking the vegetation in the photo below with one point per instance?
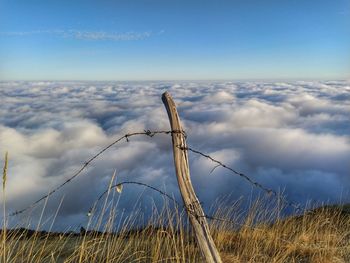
(320, 235)
(260, 235)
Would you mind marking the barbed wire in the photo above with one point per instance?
(269, 191)
(77, 173)
(90, 212)
(151, 134)
(190, 211)
(135, 183)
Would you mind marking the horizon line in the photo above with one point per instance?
(173, 80)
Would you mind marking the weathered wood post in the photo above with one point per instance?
(193, 206)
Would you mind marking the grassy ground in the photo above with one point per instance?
(320, 235)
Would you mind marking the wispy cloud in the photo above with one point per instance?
(87, 35)
(101, 35)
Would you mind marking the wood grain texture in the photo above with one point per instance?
(192, 204)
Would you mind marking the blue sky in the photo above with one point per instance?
(164, 40)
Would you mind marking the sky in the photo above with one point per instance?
(174, 40)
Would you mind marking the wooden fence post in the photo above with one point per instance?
(193, 206)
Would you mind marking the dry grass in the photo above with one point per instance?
(261, 235)
(319, 236)
(322, 235)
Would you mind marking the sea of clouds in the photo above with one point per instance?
(289, 136)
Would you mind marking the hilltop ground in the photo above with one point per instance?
(319, 235)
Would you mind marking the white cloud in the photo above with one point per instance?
(285, 135)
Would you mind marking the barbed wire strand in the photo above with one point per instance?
(77, 173)
(151, 134)
(269, 191)
(135, 183)
(210, 217)
(160, 192)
